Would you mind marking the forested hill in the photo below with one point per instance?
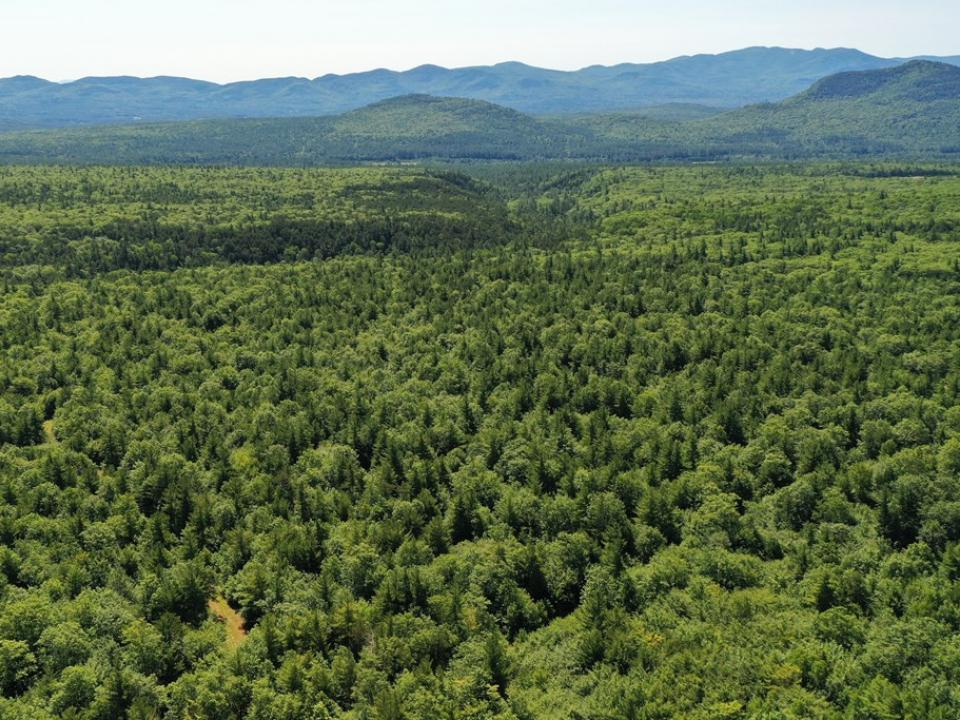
(919, 81)
(417, 126)
(405, 128)
(912, 110)
(91, 220)
(731, 79)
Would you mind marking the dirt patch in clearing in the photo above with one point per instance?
(236, 632)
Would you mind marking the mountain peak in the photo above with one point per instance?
(420, 102)
(428, 69)
(919, 80)
(411, 99)
(23, 82)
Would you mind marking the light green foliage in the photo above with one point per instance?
(669, 443)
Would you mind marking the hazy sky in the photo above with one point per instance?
(227, 40)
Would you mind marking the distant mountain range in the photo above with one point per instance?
(727, 80)
(906, 111)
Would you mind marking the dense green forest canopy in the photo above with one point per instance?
(675, 443)
(94, 219)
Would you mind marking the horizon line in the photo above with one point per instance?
(434, 66)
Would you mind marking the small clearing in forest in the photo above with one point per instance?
(236, 632)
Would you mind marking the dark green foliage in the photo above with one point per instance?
(660, 443)
(100, 219)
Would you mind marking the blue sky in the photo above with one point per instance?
(241, 39)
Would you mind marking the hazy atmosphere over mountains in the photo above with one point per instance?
(727, 80)
(909, 110)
